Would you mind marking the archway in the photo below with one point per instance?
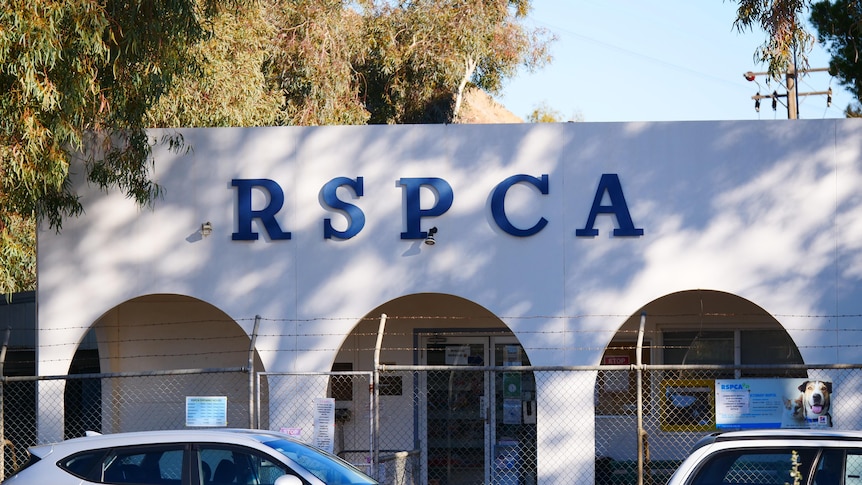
(163, 333)
(460, 423)
(695, 327)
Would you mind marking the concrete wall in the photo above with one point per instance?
(765, 210)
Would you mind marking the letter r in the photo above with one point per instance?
(245, 214)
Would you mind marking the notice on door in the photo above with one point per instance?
(457, 354)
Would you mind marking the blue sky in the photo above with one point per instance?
(659, 60)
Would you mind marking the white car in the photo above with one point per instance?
(185, 457)
(774, 457)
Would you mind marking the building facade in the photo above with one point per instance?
(551, 241)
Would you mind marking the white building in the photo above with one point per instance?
(551, 239)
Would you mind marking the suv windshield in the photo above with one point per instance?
(325, 466)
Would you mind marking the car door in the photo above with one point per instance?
(221, 464)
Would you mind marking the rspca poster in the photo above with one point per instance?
(773, 403)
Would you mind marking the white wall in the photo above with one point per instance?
(768, 211)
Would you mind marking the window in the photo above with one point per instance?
(161, 464)
(755, 467)
(853, 468)
(229, 465)
(616, 391)
(755, 347)
(769, 347)
(82, 464)
(341, 386)
(151, 464)
(709, 347)
(391, 385)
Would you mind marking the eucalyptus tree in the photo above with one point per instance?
(426, 52)
(81, 80)
(77, 78)
(839, 28)
(788, 42)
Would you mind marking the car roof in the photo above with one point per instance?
(778, 434)
(95, 440)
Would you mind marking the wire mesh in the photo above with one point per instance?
(109, 404)
(451, 425)
(285, 403)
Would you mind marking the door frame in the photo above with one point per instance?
(488, 410)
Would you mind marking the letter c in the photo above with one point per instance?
(498, 204)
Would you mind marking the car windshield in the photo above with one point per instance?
(327, 467)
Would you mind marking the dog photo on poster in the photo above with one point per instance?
(773, 403)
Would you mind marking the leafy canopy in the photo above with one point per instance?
(81, 80)
(839, 27)
(77, 78)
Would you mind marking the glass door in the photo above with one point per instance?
(469, 439)
(455, 412)
(513, 434)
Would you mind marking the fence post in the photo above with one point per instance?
(2, 404)
(251, 346)
(375, 439)
(640, 399)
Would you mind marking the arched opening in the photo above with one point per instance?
(460, 423)
(696, 327)
(160, 332)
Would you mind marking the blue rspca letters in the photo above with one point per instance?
(609, 185)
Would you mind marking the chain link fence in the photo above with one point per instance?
(39, 410)
(285, 402)
(446, 425)
(681, 404)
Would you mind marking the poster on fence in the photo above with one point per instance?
(687, 405)
(773, 403)
(324, 423)
(206, 411)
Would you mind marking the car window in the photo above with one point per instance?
(755, 467)
(839, 467)
(830, 468)
(150, 464)
(853, 469)
(233, 465)
(82, 465)
(327, 467)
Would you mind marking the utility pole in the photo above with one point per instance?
(792, 93)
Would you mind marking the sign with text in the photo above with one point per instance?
(206, 411)
(324, 423)
(773, 403)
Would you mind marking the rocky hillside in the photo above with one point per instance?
(480, 108)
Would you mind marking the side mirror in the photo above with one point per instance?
(288, 480)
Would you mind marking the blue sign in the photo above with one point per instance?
(609, 185)
(773, 403)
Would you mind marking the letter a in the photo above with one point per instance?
(610, 183)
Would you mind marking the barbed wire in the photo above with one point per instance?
(757, 317)
(619, 333)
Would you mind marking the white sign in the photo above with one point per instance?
(773, 403)
(206, 411)
(324, 423)
(457, 354)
